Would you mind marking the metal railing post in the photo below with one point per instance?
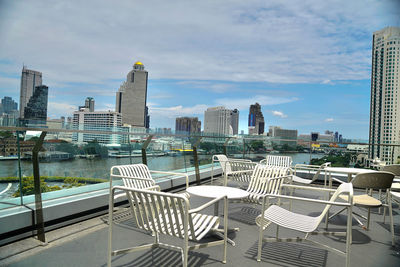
(196, 160)
(38, 194)
(144, 147)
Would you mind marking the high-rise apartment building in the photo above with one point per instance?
(187, 125)
(29, 80)
(385, 95)
(89, 103)
(35, 111)
(132, 97)
(256, 119)
(219, 120)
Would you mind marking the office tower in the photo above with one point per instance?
(89, 103)
(283, 136)
(84, 119)
(35, 111)
(235, 121)
(8, 105)
(256, 119)
(384, 127)
(29, 80)
(132, 96)
(187, 125)
(219, 120)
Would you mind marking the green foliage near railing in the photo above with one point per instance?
(60, 179)
(342, 160)
(69, 182)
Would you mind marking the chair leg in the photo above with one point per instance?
(349, 236)
(368, 218)
(260, 238)
(389, 200)
(277, 232)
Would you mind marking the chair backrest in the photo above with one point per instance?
(280, 161)
(343, 188)
(373, 180)
(136, 171)
(224, 161)
(259, 182)
(394, 168)
(163, 213)
(321, 168)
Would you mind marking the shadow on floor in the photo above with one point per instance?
(246, 214)
(284, 254)
(163, 257)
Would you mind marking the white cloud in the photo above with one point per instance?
(329, 120)
(274, 41)
(177, 111)
(279, 114)
(244, 103)
(56, 108)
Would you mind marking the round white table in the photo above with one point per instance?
(349, 171)
(215, 191)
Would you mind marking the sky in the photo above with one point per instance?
(306, 62)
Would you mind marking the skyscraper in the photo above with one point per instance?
(188, 125)
(29, 80)
(256, 119)
(384, 127)
(89, 103)
(36, 109)
(132, 97)
(8, 105)
(219, 120)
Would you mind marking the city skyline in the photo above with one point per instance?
(308, 65)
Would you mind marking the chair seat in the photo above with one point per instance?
(364, 200)
(300, 180)
(288, 219)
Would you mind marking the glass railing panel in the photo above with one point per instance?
(11, 167)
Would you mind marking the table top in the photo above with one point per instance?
(215, 191)
(348, 170)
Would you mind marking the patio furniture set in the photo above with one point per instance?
(161, 213)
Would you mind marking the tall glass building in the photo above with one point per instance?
(256, 119)
(35, 111)
(29, 80)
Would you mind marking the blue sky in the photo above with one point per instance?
(306, 62)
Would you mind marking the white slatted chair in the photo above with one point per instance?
(304, 223)
(278, 161)
(310, 168)
(265, 180)
(168, 214)
(238, 170)
(139, 176)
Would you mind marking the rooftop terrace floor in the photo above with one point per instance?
(85, 243)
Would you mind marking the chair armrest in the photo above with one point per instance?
(308, 188)
(337, 180)
(262, 161)
(240, 172)
(207, 204)
(132, 177)
(174, 173)
(344, 204)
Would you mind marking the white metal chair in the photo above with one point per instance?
(171, 215)
(265, 180)
(139, 176)
(238, 170)
(304, 223)
(372, 181)
(310, 168)
(278, 161)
